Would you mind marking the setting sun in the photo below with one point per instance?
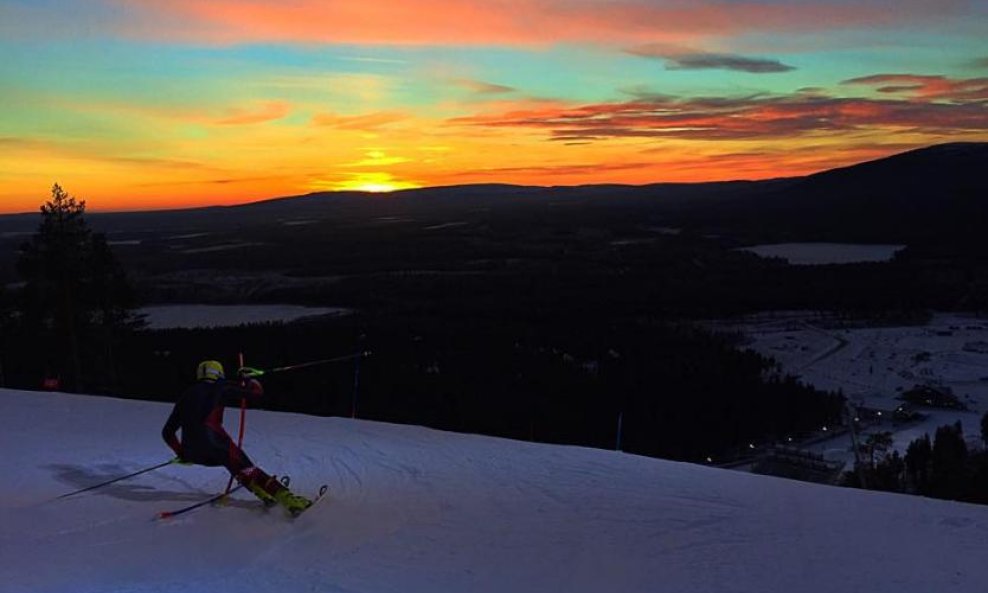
(376, 188)
(369, 182)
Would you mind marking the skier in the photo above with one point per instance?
(199, 413)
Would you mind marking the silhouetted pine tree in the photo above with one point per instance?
(949, 463)
(919, 457)
(76, 297)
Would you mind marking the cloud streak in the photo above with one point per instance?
(480, 87)
(270, 111)
(365, 122)
(678, 59)
(758, 116)
(926, 86)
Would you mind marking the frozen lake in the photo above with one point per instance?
(826, 253)
(191, 316)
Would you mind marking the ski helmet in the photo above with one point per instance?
(209, 370)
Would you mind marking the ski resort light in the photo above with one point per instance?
(824, 429)
(710, 459)
(751, 445)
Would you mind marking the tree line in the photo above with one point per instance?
(944, 467)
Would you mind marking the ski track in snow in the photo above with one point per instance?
(416, 510)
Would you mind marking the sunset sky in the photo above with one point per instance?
(169, 103)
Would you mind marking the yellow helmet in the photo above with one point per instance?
(209, 370)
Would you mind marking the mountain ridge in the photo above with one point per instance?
(914, 195)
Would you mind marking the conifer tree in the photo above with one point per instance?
(949, 462)
(76, 296)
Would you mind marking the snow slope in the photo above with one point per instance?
(417, 510)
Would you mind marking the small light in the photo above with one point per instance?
(879, 413)
(710, 459)
(751, 445)
(824, 429)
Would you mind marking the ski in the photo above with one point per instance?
(285, 480)
(192, 507)
(322, 492)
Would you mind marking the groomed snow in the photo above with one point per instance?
(415, 510)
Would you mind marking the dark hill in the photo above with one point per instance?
(917, 196)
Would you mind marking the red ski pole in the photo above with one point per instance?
(243, 418)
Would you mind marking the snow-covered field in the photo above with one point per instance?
(416, 510)
(190, 316)
(873, 366)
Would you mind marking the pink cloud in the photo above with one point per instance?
(757, 117)
(474, 22)
(926, 86)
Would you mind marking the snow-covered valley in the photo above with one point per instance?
(874, 366)
(417, 510)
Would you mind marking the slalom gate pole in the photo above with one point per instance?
(317, 362)
(302, 365)
(243, 419)
(114, 480)
(356, 379)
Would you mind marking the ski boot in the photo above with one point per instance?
(293, 503)
(260, 485)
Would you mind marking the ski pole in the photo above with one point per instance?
(120, 479)
(212, 499)
(251, 372)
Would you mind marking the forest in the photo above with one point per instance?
(574, 321)
(565, 348)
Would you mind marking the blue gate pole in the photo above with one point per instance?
(620, 421)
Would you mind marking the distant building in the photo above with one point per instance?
(798, 464)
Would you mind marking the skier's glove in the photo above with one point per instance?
(255, 387)
(181, 461)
